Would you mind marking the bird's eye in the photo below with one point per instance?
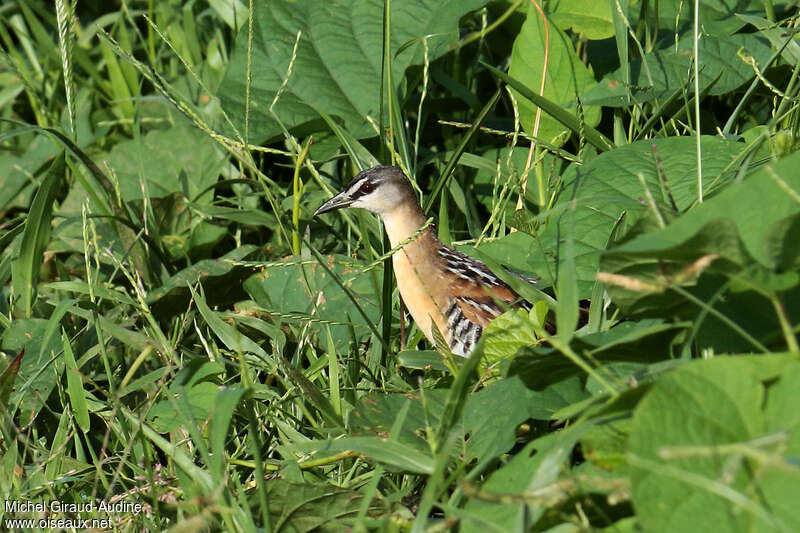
(367, 188)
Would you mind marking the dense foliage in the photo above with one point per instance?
(178, 330)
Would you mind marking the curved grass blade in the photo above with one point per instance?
(121, 214)
(451, 164)
(172, 451)
(229, 335)
(16, 225)
(77, 397)
(358, 154)
(594, 137)
(7, 380)
(567, 285)
(25, 270)
(316, 398)
(457, 396)
(386, 451)
(79, 154)
(221, 416)
(335, 277)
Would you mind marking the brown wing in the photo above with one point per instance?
(481, 293)
(481, 304)
(482, 297)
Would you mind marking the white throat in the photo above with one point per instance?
(402, 222)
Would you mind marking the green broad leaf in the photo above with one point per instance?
(388, 452)
(233, 12)
(199, 241)
(196, 371)
(457, 398)
(591, 19)
(231, 337)
(628, 339)
(151, 165)
(7, 380)
(538, 464)
(375, 414)
(776, 35)
(566, 78)
(25, 269)
(708, 452)
(315, 55)
(222, 413)
(308, 508)
(782, 416)
(602, 191)
(730, 225)
(281, 289)
(507, 335)
(492, 431)
(605, 444)
(662, 72)
(764, 281)
(647, 341)
(204, 270)
(166, 416)
(42, 366)
(16, 186)
(77, 397)
(421, 360)
(716, 17)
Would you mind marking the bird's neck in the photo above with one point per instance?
(402, 222)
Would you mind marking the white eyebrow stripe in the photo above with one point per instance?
(356, 186)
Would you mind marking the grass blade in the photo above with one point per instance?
(595, 138)
(451, 164)
(224, 407)
(77, 397)
(457, 396)
(7, 381)
(358, 154)
(199, 476)
(567, 306)
(66, 18)
(25, 270)
(229, 335)
(335, 277)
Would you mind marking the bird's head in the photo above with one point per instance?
(380, 190)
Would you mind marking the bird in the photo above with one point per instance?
(441, 287)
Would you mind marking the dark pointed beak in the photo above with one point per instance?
(337, 202)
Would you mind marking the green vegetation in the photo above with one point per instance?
(178, 331)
